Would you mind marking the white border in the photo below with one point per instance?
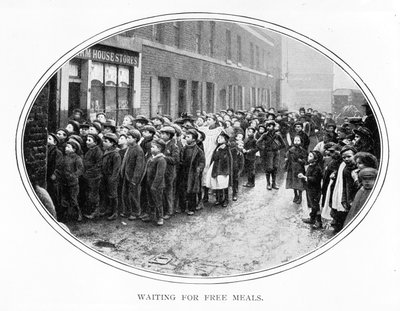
(192, 279)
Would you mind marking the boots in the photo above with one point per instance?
(296, 196)
(225, 197)
(268, 175)
(299, 197)
(274, 186)
(218, 197)
(94, 214)
(114, 207)
(318, 223)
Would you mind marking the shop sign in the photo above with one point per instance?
(102, 55)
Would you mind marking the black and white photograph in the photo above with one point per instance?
(191, 160)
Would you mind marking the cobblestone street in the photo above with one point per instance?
(261, 230)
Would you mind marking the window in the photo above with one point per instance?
(198, 36)
(239, 49)
(240, 97)
(209, 97)
(212, 35)
(157, 32)
(177, 34)
(257, 57)
(251, 55)
(253, 96)
(110, 90)
(230, 96)
(181, 97)
(228, 45)
(195, 97)
(75, 68)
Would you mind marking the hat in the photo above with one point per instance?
(362, 131)
(194, 133)
(100, 113)
(347, 148)
(332, 146)
(177, 128)
(75, 125)
(85, 125)
(111, 124)
(159, 142)
(271, 114)
(302, 109)
(317, 155)
(97, 125)
(298, 123)
(129, 127)
(262, 125)
(141, 119)
(56, 139)
(149, 128)
(222, 111)
(95, 137)
(77, 110)
(74, 144)
(241, 112)
(230, 109)
(168, 129)
(330, 124)
(368, 172)
(270, 122)
(252, 128)
(135, 134)
(187, 117)
(160, 118)
(111, 136)
(76, 138)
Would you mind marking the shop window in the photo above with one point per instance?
(177, 34)
(110, 90)
(164, 105)
(182, 97)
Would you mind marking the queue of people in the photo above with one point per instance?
(151, 169)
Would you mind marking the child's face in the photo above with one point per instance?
(360, 165)
(250, 133)
(164, 136)
(298, 128)
(155, 149)
(61, 135)
(107, 143)
(69, 128)
(102, 118)
(330, 129)
(93, 130)
(146, 133)
(69, 149)
(90, 142)
(126, 121)
(122, 141)
(84, 131)
(310, 157)
(221, 140)
(239, 137)
(236, 124)
(130, 140)
(368, 183)
(297, 141)
(50, 140)
(270, 127)
(261, 130)
(189, 139)
(348, 157)
(139, 124)
(123, 130)
(356, 138)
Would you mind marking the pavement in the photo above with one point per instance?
(260, 230)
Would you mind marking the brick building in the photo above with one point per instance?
(170, 68)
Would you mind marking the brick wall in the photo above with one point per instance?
(35, 139)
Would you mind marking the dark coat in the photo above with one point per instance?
(189, 177)
(92, 162)
(314, 177)
(350, 186)
(54, 159)
(155, 172)
(71, 167)
(171, 156)
(146, 146)
(237, 158)
(133, 164)
(296, 159)
(111, 163)
(270, 141)
(250, 144)
(222, 159)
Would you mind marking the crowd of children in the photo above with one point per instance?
(150, 169)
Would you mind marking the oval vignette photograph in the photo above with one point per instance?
(203, 149)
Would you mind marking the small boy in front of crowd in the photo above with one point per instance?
(249, 150)
(236, 148)
(312, 180)
(68, 172)
(111, 164)
(155, 184)
(131, 174)
(192, 163)
(54, 158)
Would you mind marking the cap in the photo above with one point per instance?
(168, 129)
(141, 119)
(368, 172)
(194, 133)
(135, 134)
(113, 137)
(95, 137)
(75, 125)
(57, 140)
(97, 125)
(149, 128)
(74, 144)
(347, 148)
(363, 131)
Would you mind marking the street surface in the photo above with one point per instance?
(261, 230)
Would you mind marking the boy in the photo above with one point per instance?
(54, 158)
(192, 162)
(68, 172)
(131, 172)
(313, 179)
(236, 147)
(269, 145)
(171, 155)
(111, 163)
(92, 161)
(155, 173)
(249, 151)
(298, 130)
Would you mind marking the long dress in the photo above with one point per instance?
(209, 143)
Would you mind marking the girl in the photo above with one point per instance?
(295, 161)
(313, 179)
(220, 171)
